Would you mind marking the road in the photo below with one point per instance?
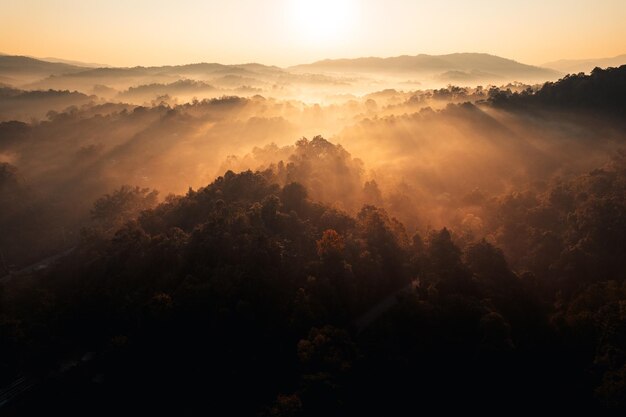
(37, 266)
(384, 305)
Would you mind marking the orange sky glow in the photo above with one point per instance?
(288, 32)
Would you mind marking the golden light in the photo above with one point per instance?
(322, 21)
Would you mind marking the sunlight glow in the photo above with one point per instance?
(323, 21)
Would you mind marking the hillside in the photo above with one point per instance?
(22, 65)
(248, 288)
(601, 92)
(429, 64)
(460, 68)
(574, 66)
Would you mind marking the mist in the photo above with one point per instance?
(456, 192)
(421, 153)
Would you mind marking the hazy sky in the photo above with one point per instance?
(285, 32)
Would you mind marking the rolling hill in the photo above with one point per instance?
(23, 65)
(574, 66)
(473, 65)
(459, 68)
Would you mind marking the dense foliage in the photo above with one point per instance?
(246, 297)
(311, 286)
(603, 91)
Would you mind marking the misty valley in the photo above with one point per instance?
(349, 237)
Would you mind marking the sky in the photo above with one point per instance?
(289, 32)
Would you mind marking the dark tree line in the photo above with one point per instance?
(603, 91)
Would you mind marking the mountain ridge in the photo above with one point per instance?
(421, 63)
(575, 66)
(464, 67)
(27, 64)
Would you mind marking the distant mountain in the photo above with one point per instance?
(574, 66)
(467, 76)
(75, 63)
(21, 65)
(177, 88)
(181, 70)
(123, 78)
(31, 73)
(456, 65)
(7, 80)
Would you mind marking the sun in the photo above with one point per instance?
(322, 21)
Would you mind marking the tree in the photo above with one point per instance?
(331, 245)
(123, 204)
(294, 197)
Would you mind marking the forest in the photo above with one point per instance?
(440, 249)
